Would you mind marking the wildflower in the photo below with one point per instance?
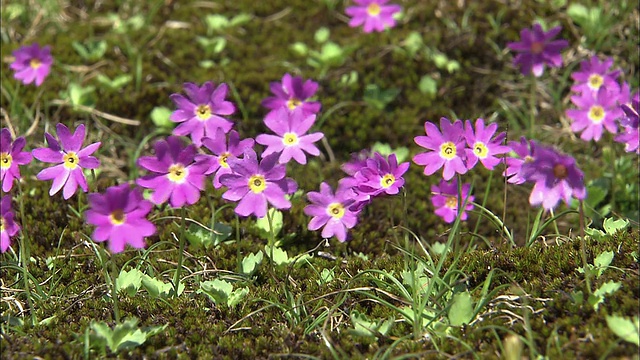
(537, 48)
(120, 217)
(71, 160)
(8, 226)
(11, 155)
(331, 211)
(447, 148)
(374, 14)
(445, 199)
(291, 141)
(254, 184)
(594, 74)
(381, 175)
(32, 64)
(176, 177)
(556, 176)
(199, 112)
(222, 152)
(357, 162)
(630, 123)
(595, 112)
(292, 93)
(525, 150)
(481, 146)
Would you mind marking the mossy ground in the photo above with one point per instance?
(312, 319)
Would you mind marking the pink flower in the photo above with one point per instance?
(8, 226)
(447, 148)
(222, 153)
(11, 155)
(445, 199)
(537, 48)
(595, 111)
(374, 14)
(32, 64)
(292, 94)
(331, 211)
(481, 146)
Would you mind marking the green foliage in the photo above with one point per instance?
(378, 98)
(221, 292)
(129, 281)
(198, 236)
(326, 276)
(250, 263)
(158, 288)
(124, 336)
(262, 224)
(610, 225)
(218, 23)
(598, 296)
(78, 95)
(628, 329)
(90, 50)
(461, 311)
(116, 83)
(362, 326)
(402, 153)
(160, 117)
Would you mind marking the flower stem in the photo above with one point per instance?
(583, 251)
(176, 279)
(25, 255)
(114, 290)
(532, 106)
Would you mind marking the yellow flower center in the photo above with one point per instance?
(290, 139)
(387, 180)
(5, 160)
(452, 202)
(35, 63)
(1, 224)
(293, 103)
(480, 149)
(537, 47)
(560, 171)
(257, 184)
(203, 112)
(373, 9)
(222, 159)
(117, 217)
(596, 114)
(448, 150)
(528, 159)
(335, 210)
(70, 160)
(595, 81)
(177, 173)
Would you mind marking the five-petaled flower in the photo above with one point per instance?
(32, 64)
(381, 175)
(175, 176)
(445, 199)
(222, 152)
(291, 140)
(537, 48)
(199, 112)
(11, 155)
(256, 184)
(376, 15)
(594, 74)
(630, 122)
(481, 146)
(331, 211)
(447, 148)
(595, 111)
(71, 159)
(120, 217)
(8, 226)
(292, 93)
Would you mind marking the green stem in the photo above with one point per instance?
(176, 279)
(25, 255)
(583, 250)
(114, 290)
(212, 206)
(532, 107)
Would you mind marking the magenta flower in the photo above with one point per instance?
(8, 226)
(222, 152)
(71, 160)
(199, 112)
(595, 112)
(11, 155)
(331, 211)
(445, 200)
(32, 64)
(594, 74)
(357, 162)
(525, 150)
(176, 177)
(556, 176)
(255, 185)
(381, 176)
(120, 217)
(292, 93)
(481, 146)
(447, 148)
(630, 122)
(374, 14)
(537, 48)
(291, 141)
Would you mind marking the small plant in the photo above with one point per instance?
(124, 336)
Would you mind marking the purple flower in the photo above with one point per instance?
(357, 162)
(631, 111)
(120, 217)
(374, 14)
(525, 150)
(256, 184)
(537, 48)
(594, 74)
(32, 64)
(556, 176)
(630, 123)
(331, 211)
(292, 93)
(447, 148)
(291, 141)
(595, 112)
(381, 175)
(11, 155)
(481, 146)
(175, 174)
(71, 160)
(8, 226)
(200, 111)
(222, 152)
(445, 200)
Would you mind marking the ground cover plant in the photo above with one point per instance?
(319, 179)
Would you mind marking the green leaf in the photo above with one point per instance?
(612, 226)
(578, 13)
(595, 234)
(250, 263)
(413, 43)
(461, 310)
(326, 276)
(322, 35)
(236, 296)
(217, 290)
(123, 336)
(280, 256)
(299, 48)
(129, 281)
(201, 237)
(626, 328)
(262, 224)
(158, 288)
(602, 261)
(216, 22)
(428, 85)
(365, 327)
(607, 288)
(240, 19)
(160, 117)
